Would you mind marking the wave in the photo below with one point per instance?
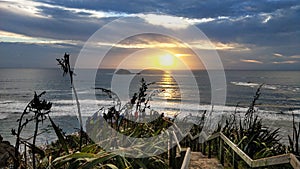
(245, 84)
(3, 115)
(251, 84)
(6, 102)
(277, 87)
(89, 107)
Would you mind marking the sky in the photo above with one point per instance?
(250, 34)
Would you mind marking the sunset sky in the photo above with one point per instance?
(246, 34)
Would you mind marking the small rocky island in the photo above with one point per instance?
(152, 71)
(123, 72)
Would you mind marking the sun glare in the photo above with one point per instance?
(166, 60)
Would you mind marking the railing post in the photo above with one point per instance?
(234, 163)
(172, 152)
(174, 157)
(209, 148)
(221, 151)
(180, 160)
(216, 144)
(203, 148)
(171, 157)
(200, 146)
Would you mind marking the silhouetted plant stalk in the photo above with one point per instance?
(40, 108)
(251, 110)
(294, 142)
(139, 100)
(140, 97)
(65, 65)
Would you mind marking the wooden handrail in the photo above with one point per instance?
(186, 160)
(274, 160)
(177, 142)
(294, 161)
(236, 149)
(263, 162)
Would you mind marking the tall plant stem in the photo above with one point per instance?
(65, 64)
(33, 142)
(17, 162)
(20, 127)
(79, 114)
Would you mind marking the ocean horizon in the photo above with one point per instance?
(280, 95)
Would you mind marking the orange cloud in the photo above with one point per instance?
(286, 62)
(295, 56)
(251, 61)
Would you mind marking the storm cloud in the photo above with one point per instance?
(264, 28)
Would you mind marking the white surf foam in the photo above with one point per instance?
(251, 84)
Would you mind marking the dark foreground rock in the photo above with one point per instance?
(6, 152)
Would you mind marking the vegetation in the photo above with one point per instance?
(39, 110)
(294, 141)
(81, 151)
(70, 152)
(64, 152)
(252, 137)
(249, 133)
(66, 67)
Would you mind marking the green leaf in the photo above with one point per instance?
(140, 163)
(111, 166)
(68, 157)
(61, 138)
(37, 150)
(97, 161)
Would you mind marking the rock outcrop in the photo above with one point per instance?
(6, 152)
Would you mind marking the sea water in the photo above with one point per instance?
(279, 99)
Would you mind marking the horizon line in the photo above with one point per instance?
(108, 68)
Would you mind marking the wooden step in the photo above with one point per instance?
(199, 161)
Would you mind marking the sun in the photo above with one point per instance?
(166, 60)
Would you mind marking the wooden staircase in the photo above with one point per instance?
(200, 161)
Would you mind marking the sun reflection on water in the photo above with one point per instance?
(170, 87)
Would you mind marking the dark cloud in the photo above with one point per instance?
(117, 5)
(58, 26)
(32, 55)
(190, 8)
(279, 31)
(265, 27)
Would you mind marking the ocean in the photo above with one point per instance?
(280, 96)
